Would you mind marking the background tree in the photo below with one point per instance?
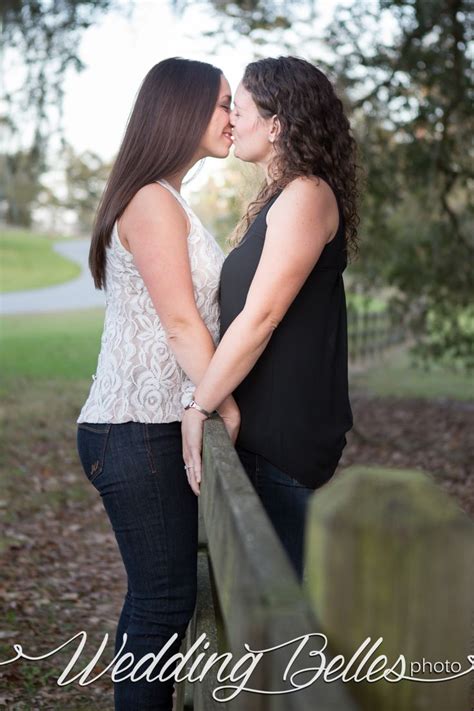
(20, 185)
(223, 199)
(404, 66)
(86, 175)
(40, 42)
(246, 17)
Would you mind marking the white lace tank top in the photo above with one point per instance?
(138, 377)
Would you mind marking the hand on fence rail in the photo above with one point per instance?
(192, 428)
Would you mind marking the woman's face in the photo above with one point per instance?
(217, 139)
(253, 134)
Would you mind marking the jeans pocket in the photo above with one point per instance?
(91, 445)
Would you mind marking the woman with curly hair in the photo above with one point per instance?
(283, 348)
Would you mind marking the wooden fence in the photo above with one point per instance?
(388, 554)
(371, 333)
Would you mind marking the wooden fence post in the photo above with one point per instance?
(390, 555)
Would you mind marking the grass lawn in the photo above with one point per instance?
(65, 345)
(61, 345)
(394, 374)
(28, 262)
(46, 363)
(367, 304)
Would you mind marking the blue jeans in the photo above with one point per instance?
(285, 501)
(138, 470)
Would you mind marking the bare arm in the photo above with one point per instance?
(299, 224)
(155, 228)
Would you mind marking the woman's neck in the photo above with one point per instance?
(266, 166)
(176, 180)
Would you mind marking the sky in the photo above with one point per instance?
(120, 48)
(118, 52)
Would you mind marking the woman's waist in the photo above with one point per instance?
(307, 384)
(131, 372)
(143, 399)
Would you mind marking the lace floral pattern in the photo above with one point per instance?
(138, 377)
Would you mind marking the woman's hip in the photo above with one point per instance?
(137, 468)
(138, 448)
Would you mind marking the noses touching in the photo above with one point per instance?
(228, 130)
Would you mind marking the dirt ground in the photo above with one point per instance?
(61, 572)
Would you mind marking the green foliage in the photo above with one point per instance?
(46, 36)
(250, 16)
(397, 374)
(411, 108)
(222, 201)
(86, 175)
(402, 67)
(20, 184)
(43, 39)
(27, 261)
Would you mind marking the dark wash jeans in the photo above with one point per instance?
(285, 501)
(138, 470)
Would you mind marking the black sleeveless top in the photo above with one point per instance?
(294, 403)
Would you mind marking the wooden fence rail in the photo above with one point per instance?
(371, 333)
(255, 594)
(388, 555)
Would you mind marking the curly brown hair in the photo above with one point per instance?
(315, 137)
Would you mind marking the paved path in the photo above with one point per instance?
(79, 293)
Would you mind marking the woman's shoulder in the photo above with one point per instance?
(309, 186)
(306, 194)
(153, 204)
(153, 194)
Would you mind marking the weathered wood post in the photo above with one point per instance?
(390, 555)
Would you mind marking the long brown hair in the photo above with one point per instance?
(171, 113)
(315, 136)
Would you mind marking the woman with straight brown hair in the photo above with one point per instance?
(160, 270)
(283, 351)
